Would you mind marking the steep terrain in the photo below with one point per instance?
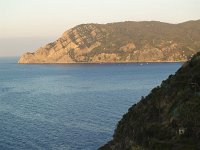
(121, 42)
(168, 118)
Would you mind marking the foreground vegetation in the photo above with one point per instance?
(168, 118)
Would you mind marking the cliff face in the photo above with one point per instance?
(168, 118)
(121, 42)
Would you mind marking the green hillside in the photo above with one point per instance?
(168, 118)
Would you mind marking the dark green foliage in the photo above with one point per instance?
(155, 121)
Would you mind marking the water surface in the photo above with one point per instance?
(70, 107)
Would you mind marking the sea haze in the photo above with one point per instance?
(71, 107)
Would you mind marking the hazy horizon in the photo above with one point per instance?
(29, 24)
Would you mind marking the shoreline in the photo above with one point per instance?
(134, 62)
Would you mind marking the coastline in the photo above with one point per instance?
(121, 62)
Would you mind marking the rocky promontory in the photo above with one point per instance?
(121, 42)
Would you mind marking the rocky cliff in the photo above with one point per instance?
(168, 118)
(121, 42)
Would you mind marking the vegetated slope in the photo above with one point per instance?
(147, 41)
(168, 118)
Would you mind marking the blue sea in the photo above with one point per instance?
(70, 107)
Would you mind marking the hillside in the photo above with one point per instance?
(168, 118)
(121, 42)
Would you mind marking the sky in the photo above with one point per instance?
(28, 24)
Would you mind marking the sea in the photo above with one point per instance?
(70, 106)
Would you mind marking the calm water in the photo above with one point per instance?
(69, 107)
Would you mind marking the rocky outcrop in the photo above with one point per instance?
(167, 119)
(121, 42)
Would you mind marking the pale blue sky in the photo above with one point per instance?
(40, 21)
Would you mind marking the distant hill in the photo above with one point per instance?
(147, 41)
(168, 118)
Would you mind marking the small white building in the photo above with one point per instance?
(181, 131)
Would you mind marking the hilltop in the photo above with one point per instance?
(168, 118)
(146, 41)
